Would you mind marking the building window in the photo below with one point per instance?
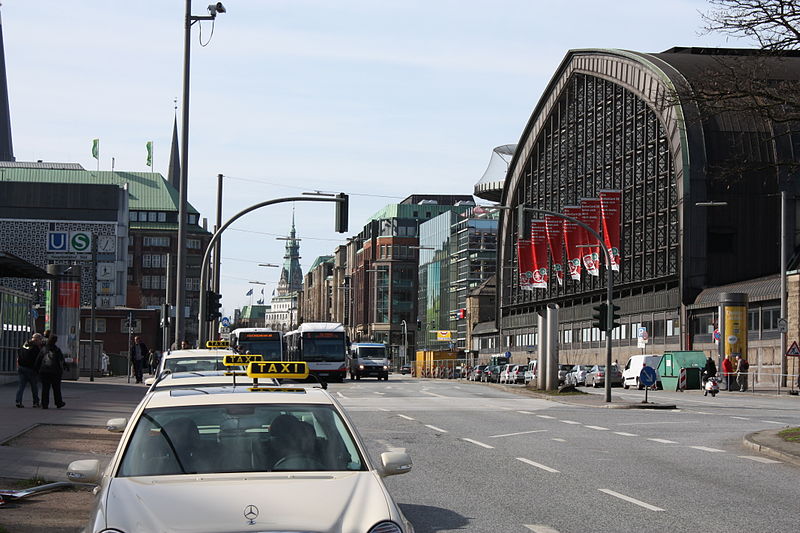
(192, 219)
(133, 216)
(130, 260)
(769, 318)
(156, 241)
(99, 325)
(152, 216)
(752, 320)
(162, 216)
(146, 260)
(193, 244)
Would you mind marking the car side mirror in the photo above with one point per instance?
(116, 425)
(394, 463)
(84, 471)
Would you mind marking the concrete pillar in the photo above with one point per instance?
(541, 329)
(552, 347)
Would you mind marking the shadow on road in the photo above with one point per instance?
(427, 519)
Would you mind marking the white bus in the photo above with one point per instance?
(323, 345)
(263, 341)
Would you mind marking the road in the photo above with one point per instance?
(490, 460)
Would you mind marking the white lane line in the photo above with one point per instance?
(774, 422)
(663, 441)
(539, 528)
(537, 465)
(433, 394)
(625, 434)
(740, 418)
(517, 433)
(570, 422)
(598, 428)
(758, 459)
(702, 413)
(376, 392)
(383, 409)
(631, 500)
(558, 440)
(705, 449)
(478, 443)
(341, 395)
(656, 423)
(406, 417)
(440, 430)
(525, 412)
(547, 417)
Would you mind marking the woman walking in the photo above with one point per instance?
(50, 365)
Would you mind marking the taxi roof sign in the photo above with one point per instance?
(240, 359)
(217, 344)
(278, 369)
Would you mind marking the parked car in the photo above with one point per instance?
(476, 372)
(577, 376)
(491, 374)
(596, 377)
(630, 375)
(503, 375)
(531, 373)
(562, 373)
(517, 374)
(405, 369)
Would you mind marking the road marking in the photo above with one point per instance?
(478, 443)
(517, 433)
(705, 449)
(631, 500)
(341, 395)
(406, 417)
(759, 459)
(656, 423)
(440, 430)
(537, 465)
(702, 413)
(539, 528)
(525, 412)
(774, 422)
(626, 434)
(433, 394)
(663, 441)
(740, 418)
(547, 417)
(598, 428)
(558, 440)
(382, 409)
(570, 422)
(376, 392)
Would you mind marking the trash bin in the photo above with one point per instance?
(118, 364)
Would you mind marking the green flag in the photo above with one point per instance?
(149, 153)
(96, 149)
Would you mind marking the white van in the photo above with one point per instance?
(630, 374)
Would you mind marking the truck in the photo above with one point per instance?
(369, 359)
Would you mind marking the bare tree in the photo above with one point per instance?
(773, 24)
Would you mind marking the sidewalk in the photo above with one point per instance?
(87, 404)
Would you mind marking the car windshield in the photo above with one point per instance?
(372, 353)
(193, 364)
(239, 438)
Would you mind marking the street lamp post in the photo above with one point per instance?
(404, 358)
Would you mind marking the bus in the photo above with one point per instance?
(264, 341)
(323, 345)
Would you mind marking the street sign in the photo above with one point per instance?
(717, 335)
(648, 376)
(794, 350)
(783, 325)
(225, 321)
(642, 336)
(105, 271)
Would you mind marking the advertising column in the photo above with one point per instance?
(63, 313)
(733, 325)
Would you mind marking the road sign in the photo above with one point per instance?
(717, 335)
(648, 376)
(783, 325)
(794, 350)
(225, 321)
(642, 336)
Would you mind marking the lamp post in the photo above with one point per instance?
(180, 276)
(404, 357)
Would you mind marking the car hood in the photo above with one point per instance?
(299, 502)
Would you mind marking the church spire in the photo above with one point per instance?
(174, 168)
(291, 273)
(6, 149)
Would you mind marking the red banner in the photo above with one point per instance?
(539, 246)
(611, 212)
(573, 236)
(554, 227)
(590, 215)
(525, 265)
(69, 294)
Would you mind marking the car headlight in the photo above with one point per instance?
(361, 367)
(385, 367)
(386, 527)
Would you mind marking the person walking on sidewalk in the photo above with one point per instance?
(26, 368)
(138, 357)
(50, 366)
(727, 372)
(742, 371)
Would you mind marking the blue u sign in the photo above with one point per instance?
(57, 241)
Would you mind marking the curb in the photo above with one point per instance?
(749, 441)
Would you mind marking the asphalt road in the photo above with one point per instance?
(487, 460)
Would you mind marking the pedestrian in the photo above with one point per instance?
(710, 370)
(727, 371)
(742, 371)
(50, 367)
(153, 360)
(138, 357)
(104, 362)
(185, 345)
(26, 368)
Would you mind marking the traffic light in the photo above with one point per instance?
(342, 204)
(600, 316)
(164, 315)
(213, 306)
(522, 228)
(613, 317)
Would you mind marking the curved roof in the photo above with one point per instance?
(490, 186)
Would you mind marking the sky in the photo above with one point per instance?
(377, 99)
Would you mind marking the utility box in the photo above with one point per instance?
(669, 369)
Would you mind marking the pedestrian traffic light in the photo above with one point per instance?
(213, 306)
(600, 316)
(342, 204)
(613, 317)
(164, 315)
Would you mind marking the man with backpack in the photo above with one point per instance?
(50, 366)
(742, 371)
(26, 368)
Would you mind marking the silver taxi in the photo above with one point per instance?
(243, 457)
